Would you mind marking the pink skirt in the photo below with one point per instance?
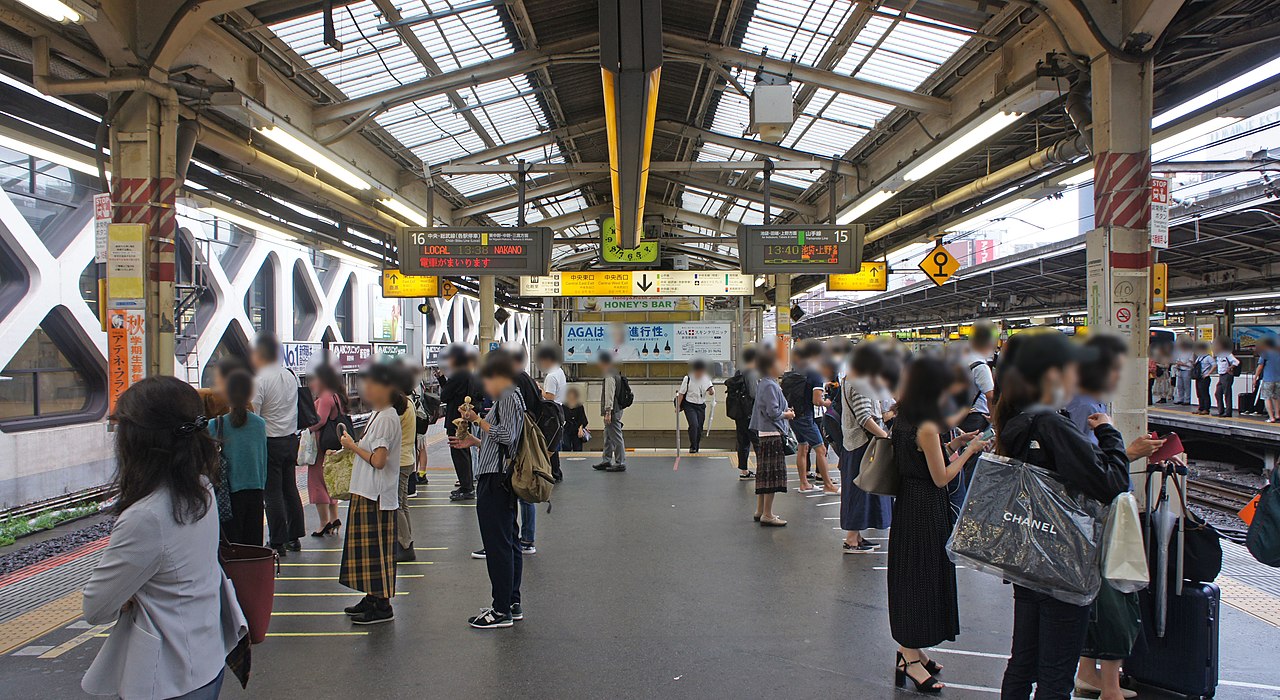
(317, 492)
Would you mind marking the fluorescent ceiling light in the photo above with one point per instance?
(313, 155)
(871, 202)
(42, 153)
(1191, 302)
(64, 11)
(962, 143)
(271, 230)
(1249, 297)
(403, 210)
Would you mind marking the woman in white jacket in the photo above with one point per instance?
(175, 613)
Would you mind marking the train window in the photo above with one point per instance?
(52, 379)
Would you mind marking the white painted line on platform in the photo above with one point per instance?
(963, 652)
(829, 503)
(1254, 686)
(978, 688)
(33, 650)
(835, 517)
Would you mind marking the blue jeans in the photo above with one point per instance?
(528, 520)
(208, 691)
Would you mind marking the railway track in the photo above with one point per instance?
(1218, 495)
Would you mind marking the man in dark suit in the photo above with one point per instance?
(458, 382)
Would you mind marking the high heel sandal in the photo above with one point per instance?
(332, 528)
(929, 685)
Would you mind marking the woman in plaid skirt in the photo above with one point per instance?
(368, 556)
(769, 418)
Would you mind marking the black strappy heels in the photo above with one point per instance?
(929, 685)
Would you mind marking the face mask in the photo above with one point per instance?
(1058, 398)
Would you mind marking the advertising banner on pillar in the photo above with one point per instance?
(301, 358)
(126, 263)
(1160, 212)
(431, 354)
(648, 342)
(385, 321)
(101, 222)
(126, 351)
(390, 351)
(349, 357)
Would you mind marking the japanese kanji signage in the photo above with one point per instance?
(653, 342)
(481, 250)
(638, 283)
(397, 285)
(101, 221)
(873, 277)
(126, 261)
(300, 357)
(350, 357)
(1159, 212)
(801, 249)
(126, 351)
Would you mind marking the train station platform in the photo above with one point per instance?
(1249, 433)
(650, 583)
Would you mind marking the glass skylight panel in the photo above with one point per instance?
(803, 28)
(732, 115)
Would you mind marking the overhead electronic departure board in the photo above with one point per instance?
(475, 250)
(801, 249)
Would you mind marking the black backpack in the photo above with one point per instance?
(738, 403)
(549, 417)
(623, 396)
(1197, 369)
(797, 391)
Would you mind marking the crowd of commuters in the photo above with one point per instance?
(232, 453)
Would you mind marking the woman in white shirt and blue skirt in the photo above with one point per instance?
(368, 554)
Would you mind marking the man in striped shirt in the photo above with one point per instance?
(500, 432)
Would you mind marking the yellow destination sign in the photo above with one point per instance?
(873, 277)
(939, 265)
(397, 285)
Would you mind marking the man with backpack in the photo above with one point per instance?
(1228, 366)
(614, 398)
(1203, 367)
(740, 400)
(501, 431)
(554, 389)
(804, 388)
(982, 344)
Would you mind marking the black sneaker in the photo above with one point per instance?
(380, 612)
(478, 554)
(404, 553)
(517, 611)
(616, 468)
(601, 466)
(293, 546)
(747, 475)
(490, 619)
(461, 495)
(365, 605)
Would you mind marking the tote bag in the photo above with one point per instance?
(1124, 555)
(878, 473)
(337, 474)
(1020, 523)
(252, 569)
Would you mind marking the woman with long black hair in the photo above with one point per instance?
(923, 608)
(159, 580)
(1038, 380)
(243, 438)
(331, 404)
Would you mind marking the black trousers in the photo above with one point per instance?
(1223, 393)
(462, 467)
(496, 510)
(284, 505)
(746, 439)
(245, 525)
(1202, 394)
(696, 414)
(1048, 635)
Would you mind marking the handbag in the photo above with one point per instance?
(337, 474)
(1020, 523)
(329, 440)
(878, 472)
(1124, 555)
(790, 444)
(1263, 538)
(222, 489)
(252, 569)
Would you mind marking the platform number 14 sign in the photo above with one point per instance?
(939, 265)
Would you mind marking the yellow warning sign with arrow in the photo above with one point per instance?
(872, 277)
(397, 285)
(939, 265)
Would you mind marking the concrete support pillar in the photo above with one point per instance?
(782, 317)
(488, 331)
(1119, 245)
(144, 156)
(550, 330)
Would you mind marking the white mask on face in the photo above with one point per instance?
(1058, 398)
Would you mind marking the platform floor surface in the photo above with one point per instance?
(653, 583)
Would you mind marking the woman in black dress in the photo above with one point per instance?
(922, 580)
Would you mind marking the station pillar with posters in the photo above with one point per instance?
(1118, 248)
(782, 317)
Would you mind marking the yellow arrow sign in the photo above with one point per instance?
(873, 277)
(397, 285)
(939, 265)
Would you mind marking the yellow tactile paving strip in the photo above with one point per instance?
(31, 626)
(1245, 598)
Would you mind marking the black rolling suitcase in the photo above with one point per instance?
(1185, 660)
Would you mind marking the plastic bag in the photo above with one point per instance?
(1018, 522)
(1124, 555)
(337, 474)
(307, 450)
